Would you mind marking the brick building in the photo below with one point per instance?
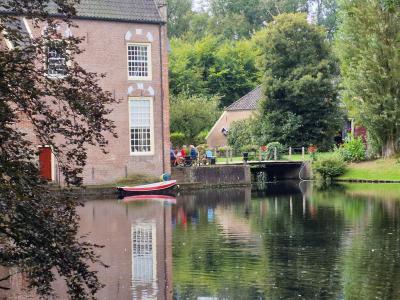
(242, 109)
(126, 40)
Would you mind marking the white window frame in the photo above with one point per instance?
(151, 152)
(149, 62)
(54, 76)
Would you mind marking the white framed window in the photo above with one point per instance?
(141, 125)
(144, 253)
(139, 61)
(55, 61)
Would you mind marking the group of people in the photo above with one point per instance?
(179, 155)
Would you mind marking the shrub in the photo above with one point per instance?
(330, 167)
(201, 138)
(222, 150)
(177, 139)
(270, 152)
(202, 149)
(240, 134)
(352, 150)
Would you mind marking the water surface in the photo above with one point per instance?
(279, 241)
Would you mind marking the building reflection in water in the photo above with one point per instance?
(138, 250)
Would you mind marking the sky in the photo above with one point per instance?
(198, 5)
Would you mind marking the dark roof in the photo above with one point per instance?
(120, 10)
(139, 11)
(22, 37)
(249, 101)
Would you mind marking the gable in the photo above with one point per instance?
(248, 102)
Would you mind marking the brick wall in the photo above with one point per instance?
(106, 52)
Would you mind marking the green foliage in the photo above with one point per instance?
(353, 149)
(39, 227)
(179, 16)
(302, 107)
(330, 167)
(202, 148)
(240, 134)
(191, 115)
(177, 139)
(368, 46)
(270, 152)
(212, 67)
(201, 137)
(235, 19)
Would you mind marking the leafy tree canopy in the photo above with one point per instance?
(38, 229)
(301, 105)
(368, 44)
(210, 67)
(191, 115)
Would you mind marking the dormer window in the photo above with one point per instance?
(139, 61)
(56, 61)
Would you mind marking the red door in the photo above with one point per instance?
(45, 162)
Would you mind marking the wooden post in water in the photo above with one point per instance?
(275, 154)
(303, 153)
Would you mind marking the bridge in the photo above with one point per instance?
(278, 169)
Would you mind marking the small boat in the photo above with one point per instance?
(158, 188)
(159, 198)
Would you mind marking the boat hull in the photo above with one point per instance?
(162, 188)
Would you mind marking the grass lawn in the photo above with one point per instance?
(382, 191)
(381, 169)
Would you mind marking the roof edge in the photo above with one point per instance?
(232, 104)
(161, 22)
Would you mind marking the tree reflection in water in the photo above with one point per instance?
(287, 242)
(39, 239)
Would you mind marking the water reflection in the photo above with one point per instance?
(138, 241)
(285, 241)
(288, 241)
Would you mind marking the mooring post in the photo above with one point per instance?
(275, 154)
(290, 153)
(303, 153)
(126, 171)
(93, 173)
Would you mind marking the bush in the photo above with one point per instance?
(352, 150)
(270, 152)
(240, 134)
(201, 138)
(330, 167)
(177, 139)
(202, 149)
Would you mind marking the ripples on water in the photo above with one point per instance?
(286, 241)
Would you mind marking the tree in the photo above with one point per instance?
(179, 16)
(38, 228)
(213, 67)
(241, 134)
(324, 13)
(193, 114)
(368, 48)
(237, 19)
(301, 105)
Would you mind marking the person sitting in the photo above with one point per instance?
(172, 156)
(209, 156)
(183, 151)
(193, 152)
(179, 158)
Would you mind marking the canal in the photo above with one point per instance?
(280, 241)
